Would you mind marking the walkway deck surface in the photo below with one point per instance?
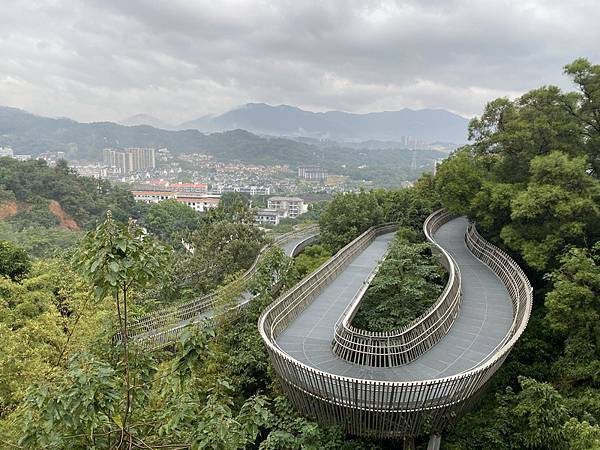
(484, 318)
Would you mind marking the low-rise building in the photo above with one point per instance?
(267, 217)
(9, 152)
(198, 202)
(153, 196)
(287, 206)
(252, 190)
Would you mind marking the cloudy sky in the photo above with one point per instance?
(177, 60)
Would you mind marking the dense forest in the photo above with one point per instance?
(530, 180)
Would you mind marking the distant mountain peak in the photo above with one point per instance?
(284, 120)
(145, 119)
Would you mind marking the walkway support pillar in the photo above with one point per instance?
(435, 441)
(409, 443)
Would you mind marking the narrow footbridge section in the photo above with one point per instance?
(407, 382)
(163, 327)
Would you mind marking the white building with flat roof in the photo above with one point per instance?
(198, 202)
(267, 217)
(287, 206)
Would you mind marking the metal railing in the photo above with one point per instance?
(403, 345)
(387, 409)
(162, 327)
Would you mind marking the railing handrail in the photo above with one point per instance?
(166, 319)
(403, 345)
(422, 317)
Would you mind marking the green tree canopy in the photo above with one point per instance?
(14, 261)
(171, 221)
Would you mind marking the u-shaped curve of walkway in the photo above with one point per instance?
(483, 320)
(355, 379)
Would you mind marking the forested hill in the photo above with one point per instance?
(30, 134)
(33, 194)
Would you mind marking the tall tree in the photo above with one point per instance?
(117, 258)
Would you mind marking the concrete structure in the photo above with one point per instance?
(267, 217)
(52, 157)
(9, 152)
(290, 207)
(153, 196)
(130, 159)
(161, 328)
(422, 379)
(312, 173)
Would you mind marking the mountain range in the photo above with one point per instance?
(429, 125)
(27, 133)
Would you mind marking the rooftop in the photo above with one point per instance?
(285, 199)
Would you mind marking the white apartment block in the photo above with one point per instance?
(287, 206)
(267, 216)
(200, 204)
(312, 173)
(130, 159)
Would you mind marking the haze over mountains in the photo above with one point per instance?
(431, 125)
(27, 133)
(145, 119)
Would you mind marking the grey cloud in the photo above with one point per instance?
(107, 59)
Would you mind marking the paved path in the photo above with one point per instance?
(484, 318)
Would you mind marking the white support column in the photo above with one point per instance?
(435, 441)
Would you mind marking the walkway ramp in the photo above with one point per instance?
(484, 318)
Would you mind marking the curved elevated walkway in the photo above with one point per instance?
(484, 318)
(429, 392)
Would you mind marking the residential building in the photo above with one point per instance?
(153, 196)
(252, 190)
(267, 217)
(200, 203)
(287, 206)
(52, 157)
(196, 201)
(130, 159)
(312, 173)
